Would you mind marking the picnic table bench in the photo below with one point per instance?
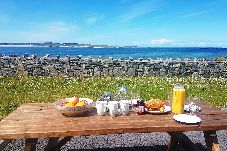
(41, 120)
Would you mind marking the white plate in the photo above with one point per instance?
(167, 109)
(186, 108)
(188, 119)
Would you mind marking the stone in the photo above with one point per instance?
(195, 74)
(163, 72)
(201, 71)
(97, 72)
(70, 72)
(118, 71)
(131, 72)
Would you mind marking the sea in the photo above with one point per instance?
(116, 53)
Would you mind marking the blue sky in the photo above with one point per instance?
(116, 22)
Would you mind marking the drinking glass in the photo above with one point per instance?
(134, 97)
(170, 97)
(122, 91)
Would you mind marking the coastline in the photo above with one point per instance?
(119, 53)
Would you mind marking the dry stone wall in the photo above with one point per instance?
(87, 67)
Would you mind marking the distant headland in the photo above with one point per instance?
(53, 44)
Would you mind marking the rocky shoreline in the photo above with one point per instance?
(89, 67)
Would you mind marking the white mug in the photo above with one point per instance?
(101, 107)
(124, 107)
(113, 108)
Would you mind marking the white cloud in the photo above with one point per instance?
(202, 43)
(220, 44)
(137, 10)
(192, 14)
(94, 19)
(91, 20)
(53, 31)
(137, 43)
(161, 42)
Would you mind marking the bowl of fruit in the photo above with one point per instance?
(73, 106)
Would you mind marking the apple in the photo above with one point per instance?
(75, 101)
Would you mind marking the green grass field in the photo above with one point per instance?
(15, 91)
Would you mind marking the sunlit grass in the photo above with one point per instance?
(15, 91)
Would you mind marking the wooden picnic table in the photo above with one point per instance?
(41, 120)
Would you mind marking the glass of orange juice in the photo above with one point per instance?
(178, 99)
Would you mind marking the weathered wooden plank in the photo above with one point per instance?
(211, 141)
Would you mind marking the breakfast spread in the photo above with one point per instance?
(75, 106)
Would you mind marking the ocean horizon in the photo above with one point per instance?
(123, 53)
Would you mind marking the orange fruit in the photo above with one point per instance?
(80, 104)
(69, 104)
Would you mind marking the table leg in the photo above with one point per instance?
(181, 139)
(56, 143)
(30, 144)
(4, 143)
(211, 141)
(173, 142)
(52, 142)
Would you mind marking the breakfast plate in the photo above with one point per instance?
(188, 119)
(166, 110)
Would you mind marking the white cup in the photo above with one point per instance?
(101, 107)
(124, 107)
(113, 108)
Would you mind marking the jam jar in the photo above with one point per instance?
(140, 107)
